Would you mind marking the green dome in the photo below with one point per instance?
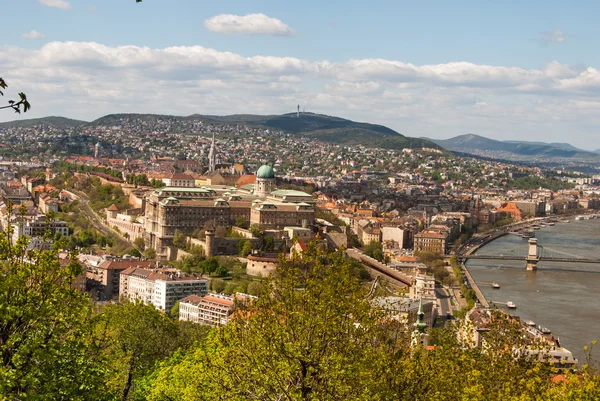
(265, 172)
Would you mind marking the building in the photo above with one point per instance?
(104, 277)
(179, 180)
(211, 310)
(261, 265)
(432, 241)
(511, 210)
(36, 228)
(159, 287)
(187, 209)
(406, 309)
(394, 237)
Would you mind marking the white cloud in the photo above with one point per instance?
(90, 79)
(65, 5)
(554, 36)
(33, 34)
(251, 24)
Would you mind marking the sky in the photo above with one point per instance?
(507, 70)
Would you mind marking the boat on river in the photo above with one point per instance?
(511, 305)
(495, 285)
(528, 234)
(551, 224)
(530, 323)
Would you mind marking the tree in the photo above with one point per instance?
(210, 265)
(132, 337)
(12, 104)
(242, 222)
(174, 312)
(245, 248)
(375, 250)
(256, 230)
(150, 253)
(294, 345)
(139, 243)
(135, 252)
(44, 326)
(254, 288)
(218, 285)
(179, 239)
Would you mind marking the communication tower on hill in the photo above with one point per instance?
(298, 112)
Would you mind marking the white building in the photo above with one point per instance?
(160, 287)
(211, 309)
(394, 236)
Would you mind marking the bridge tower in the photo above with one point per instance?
(532, 254)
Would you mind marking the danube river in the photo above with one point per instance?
(564, 297)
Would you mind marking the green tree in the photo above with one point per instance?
(256, 230)
(150, 253)
(179, 239)
(132, 337)
(254, 288)
(139, 243)
(174, 312)
(218, 285)
(245, 248)
(44, 327)
(242, 222)
(374, 250)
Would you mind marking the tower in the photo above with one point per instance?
(298, 112)
(97, 150)
(532, 256)
(265, 181)
(419, 337)
(210, 244)
(212, 157)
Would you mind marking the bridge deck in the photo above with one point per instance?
(524, 258)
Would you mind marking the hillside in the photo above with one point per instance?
(514, 150)
(60, 122)
(326, 128)
(329, 129)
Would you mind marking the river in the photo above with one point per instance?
(564, 297)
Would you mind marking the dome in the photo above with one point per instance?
(265, 172)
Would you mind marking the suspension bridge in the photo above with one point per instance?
(531, 254)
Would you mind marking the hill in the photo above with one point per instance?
(329, 129)
(326, 128)
(60, 122)
(514, 150)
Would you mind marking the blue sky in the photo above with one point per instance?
(506, 70)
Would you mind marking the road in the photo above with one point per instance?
(444, 301)
(97, 222)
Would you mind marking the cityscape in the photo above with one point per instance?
(247, 238)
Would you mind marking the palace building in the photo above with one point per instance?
(187, 209)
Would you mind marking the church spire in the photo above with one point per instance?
(420, 324)
(212, 157)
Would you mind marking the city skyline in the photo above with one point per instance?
(506, 71)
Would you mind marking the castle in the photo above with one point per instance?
(187, 209)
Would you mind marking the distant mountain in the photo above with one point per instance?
(322, 127)
(560, 145)
(514, 150)
(60, 122)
